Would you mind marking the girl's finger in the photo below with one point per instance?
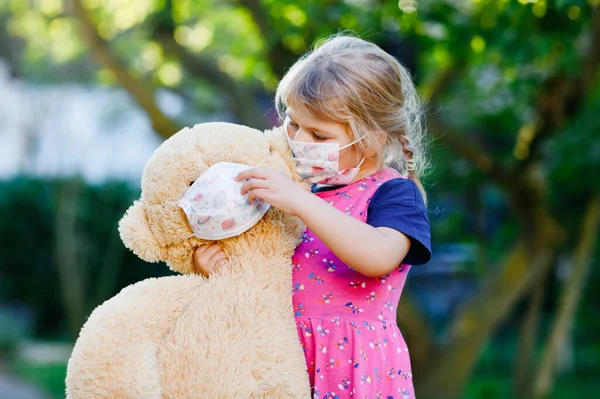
(201, 264)
(259, 193)
(205, 255)
(219, 257)
(212, 249)
(220, 263)
(252, 173)
(202, 248)
(253, 184)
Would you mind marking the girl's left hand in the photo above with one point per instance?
(273, 187)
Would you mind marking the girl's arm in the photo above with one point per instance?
(370, 251)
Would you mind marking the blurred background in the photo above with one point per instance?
(507, 306)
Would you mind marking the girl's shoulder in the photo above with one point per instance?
(398, 204)
(399, 190)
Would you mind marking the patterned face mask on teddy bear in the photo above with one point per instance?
(215, 207)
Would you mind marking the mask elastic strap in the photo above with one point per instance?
(361, 162)
(354, 142)
(286, 122)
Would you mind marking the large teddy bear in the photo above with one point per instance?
(185, 336)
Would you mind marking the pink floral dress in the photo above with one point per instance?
(347, 321)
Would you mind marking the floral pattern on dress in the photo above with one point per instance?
(346, 321)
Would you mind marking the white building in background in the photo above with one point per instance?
(60, 130)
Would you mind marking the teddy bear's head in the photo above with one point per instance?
(156, 228)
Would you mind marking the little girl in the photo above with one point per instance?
(354, 126)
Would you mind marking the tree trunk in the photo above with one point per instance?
(417, 335)
(81, 288)
(107, 280)
(69, 250)
(139, 90)
(573, 289)
(527, 344)
(240, 99)
(527, 263)
(280, 58)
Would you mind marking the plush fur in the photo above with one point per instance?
(230, 336)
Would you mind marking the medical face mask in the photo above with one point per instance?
(320, 162)
(215, 207)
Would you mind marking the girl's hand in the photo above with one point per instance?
(208, 258)
(273, 187)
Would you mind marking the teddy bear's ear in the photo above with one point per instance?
(136, 235)
(279, 144)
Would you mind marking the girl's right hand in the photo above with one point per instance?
(208, 258)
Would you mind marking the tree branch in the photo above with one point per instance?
(138, 90)
(73, 271)
(466, 149)
(260, 14)
(561, 97)
(470, 151)
(471, 329)
(417, 334)
(241, 101)
(528, 338)
(590, 69)
(528, 262)
(280, 58)
(8, 48)
(571, 296)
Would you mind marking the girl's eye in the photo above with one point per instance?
(319, 138)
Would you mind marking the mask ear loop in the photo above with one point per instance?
(351, 144)
(361, 162)
(286, 123)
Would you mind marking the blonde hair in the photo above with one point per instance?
(349, 80)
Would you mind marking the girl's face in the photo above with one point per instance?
(303, 126)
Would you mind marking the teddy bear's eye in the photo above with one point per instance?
(191, 183)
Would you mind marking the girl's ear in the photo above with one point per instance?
(369, 153)
(378, 143)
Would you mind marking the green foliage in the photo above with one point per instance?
(28, 269)
(505, 48)
(48, 377)
(502, 57)
(501, 51)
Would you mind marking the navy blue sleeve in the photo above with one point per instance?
(398, 204)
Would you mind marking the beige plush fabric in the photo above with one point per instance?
(230, 336)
